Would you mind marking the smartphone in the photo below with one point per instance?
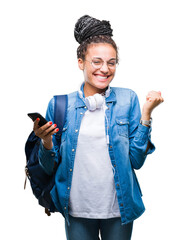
(36, 115)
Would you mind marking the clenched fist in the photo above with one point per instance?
(153, 99)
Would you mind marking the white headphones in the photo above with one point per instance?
(96, 101)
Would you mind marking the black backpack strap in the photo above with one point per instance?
(60, 112)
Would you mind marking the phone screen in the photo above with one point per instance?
(36, 115)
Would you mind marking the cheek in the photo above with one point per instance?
(88, 73)
(87, 76)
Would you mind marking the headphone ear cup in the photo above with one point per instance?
(99, 100)
(91, 103)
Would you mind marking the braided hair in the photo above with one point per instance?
(89, 30)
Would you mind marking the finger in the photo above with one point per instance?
(154, 93)
(46, 126)
(151, 93)
(40, 130)
(159, 99)
(149, 99)
(54, 131)
(154, 96)
(50, 130)
(36, 124)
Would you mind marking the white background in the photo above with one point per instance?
(38, 60)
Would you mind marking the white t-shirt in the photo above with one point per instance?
(93, 193)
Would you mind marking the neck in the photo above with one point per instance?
(89, 90)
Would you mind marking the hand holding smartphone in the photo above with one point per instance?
(36, 115)
(46, 132)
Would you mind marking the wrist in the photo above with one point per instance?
(146, 115)
(47, 145)
(146, 123)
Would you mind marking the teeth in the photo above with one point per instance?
(101, 77)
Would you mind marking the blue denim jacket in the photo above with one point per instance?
(128, 140)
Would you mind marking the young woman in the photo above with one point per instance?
(104, 139)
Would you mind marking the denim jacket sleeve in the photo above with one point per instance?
(139, 136)
(47, 158)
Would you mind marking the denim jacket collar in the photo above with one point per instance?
(81, 103)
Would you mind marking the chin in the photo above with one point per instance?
(102, 84)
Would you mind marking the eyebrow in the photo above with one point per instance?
(102, 59)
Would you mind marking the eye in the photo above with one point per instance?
(112, 63)
(97, 62)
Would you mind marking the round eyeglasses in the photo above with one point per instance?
(97, 63)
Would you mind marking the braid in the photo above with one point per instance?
(90, 30)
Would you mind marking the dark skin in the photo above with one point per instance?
(45, 133)
(96, 81)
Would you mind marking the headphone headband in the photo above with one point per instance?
(106, 93)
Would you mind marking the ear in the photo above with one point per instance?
(81, 64)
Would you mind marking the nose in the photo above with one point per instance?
(104, 68)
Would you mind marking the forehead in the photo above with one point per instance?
(101, 50)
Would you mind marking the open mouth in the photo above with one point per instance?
(102, 77)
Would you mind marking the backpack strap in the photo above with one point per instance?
(60, 112)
